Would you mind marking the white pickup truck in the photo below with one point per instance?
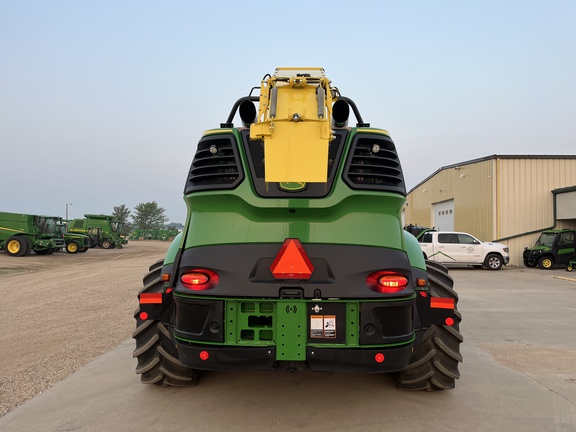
(462, 249)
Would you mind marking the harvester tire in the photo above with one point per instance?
(29, 246)
(16, 246)
(72, 247)
(158, 361)
(434, 364)
(106, 244)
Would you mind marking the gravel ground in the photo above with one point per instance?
(59, 312)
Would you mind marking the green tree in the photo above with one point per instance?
(149, 216)
(121, 214)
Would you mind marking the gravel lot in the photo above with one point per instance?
(61, 311)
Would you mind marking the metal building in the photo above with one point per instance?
(504, 198)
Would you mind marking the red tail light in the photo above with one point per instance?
(386, 282)
(199, 279)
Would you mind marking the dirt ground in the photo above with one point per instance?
(59, 312)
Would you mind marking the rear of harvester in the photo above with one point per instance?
(294, 256)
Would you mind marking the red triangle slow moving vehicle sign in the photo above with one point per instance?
(292, 262)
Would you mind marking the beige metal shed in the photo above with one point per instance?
(504, 198)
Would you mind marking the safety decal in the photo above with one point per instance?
(323, 326)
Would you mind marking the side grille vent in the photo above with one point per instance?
(374, 164)
(216, 165)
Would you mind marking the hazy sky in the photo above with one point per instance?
(102, 103)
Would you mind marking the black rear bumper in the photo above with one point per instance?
(220, 358)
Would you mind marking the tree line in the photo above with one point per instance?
(145, 216)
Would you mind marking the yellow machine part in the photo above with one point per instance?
(294, 123)
(296, 153)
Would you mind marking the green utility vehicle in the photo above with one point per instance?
(103, 228)
(75, 242)
(553, 248)
(21, 234)
(293, 256)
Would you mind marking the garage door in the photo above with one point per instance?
(566, 205)
(444, 215)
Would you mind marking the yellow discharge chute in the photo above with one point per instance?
(294, 122)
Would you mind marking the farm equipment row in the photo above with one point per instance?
(21, 234)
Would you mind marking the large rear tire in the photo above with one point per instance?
(29, 246)
(158, 361)
(16, 246)
(434, 364)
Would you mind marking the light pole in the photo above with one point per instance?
(67, 204)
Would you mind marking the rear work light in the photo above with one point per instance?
(199, 279)
(386, 282)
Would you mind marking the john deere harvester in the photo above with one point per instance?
(21, 234)
(293, 256)
(104, 230)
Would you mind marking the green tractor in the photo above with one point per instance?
(74, 242)
(293, 256)
(104, 230)
(553, 248)
(21, 234)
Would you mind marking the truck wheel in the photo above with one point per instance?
(158, 361)
(16, 246)
(493, 262)
(434, 364)
(545, 263)
(72, 247)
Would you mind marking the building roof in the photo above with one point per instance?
(564, 189)
(494, 156)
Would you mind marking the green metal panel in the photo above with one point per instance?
(234, 218)
(414, 251)
(291, 330)
(371, 218)
(250, 322)
(231, 318)
(173, 249)
(352, 324)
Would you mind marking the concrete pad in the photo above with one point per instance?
(107, 395)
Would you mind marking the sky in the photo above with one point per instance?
(102, 103)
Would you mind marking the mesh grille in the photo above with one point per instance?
(215, 166)
(370, 169)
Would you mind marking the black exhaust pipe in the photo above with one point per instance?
(340, 113)
(247, 112)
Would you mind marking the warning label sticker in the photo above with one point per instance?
(316, 326)
(323, 326)
(329, 326)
